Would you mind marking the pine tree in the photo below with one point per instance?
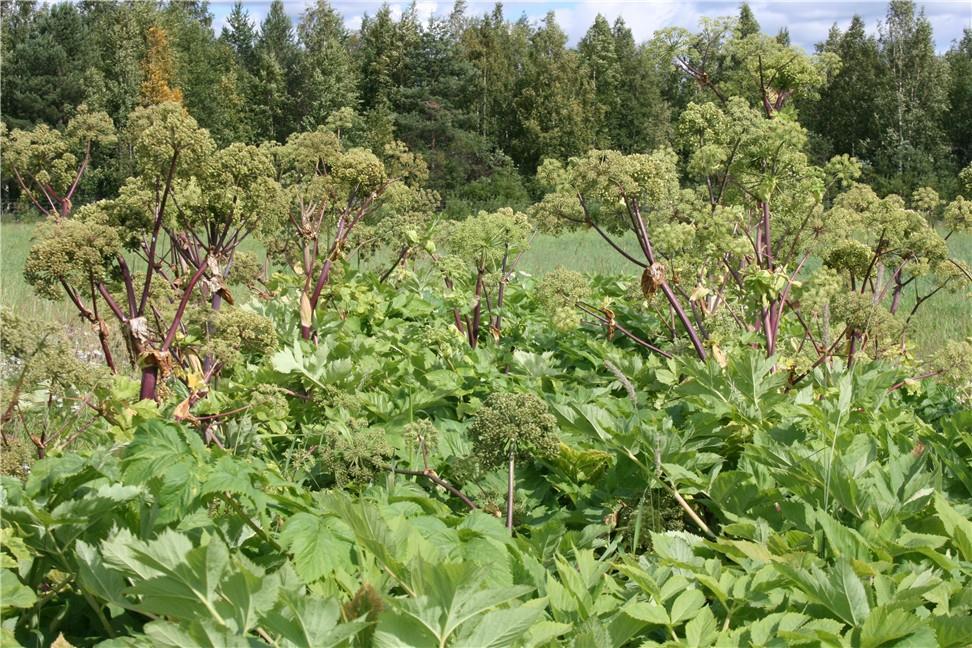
(158, 70)
(45, 53)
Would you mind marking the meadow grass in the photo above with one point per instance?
(15, 241)
(948, 316)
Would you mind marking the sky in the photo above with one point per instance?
(808, 22)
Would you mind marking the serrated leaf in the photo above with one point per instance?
(544, 633)
(170, 461)
(13, 593)
(97, 578)
(201, 634)
(953, 632)
(701, 631)
(304, 621)
(397, 630)
(840, 590)
(686, 605)
(958, 527)
(499, 628)
(175, 579)
(316, 549)
(648, 612)
(884, 625)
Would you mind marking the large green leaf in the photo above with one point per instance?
(13, 593)
(499, 628)
(169, 460)
(306, 621)
(840, 590)
(884, 626)
(957, 526)
(316, 549)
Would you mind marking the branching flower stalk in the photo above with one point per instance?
(183, 213)
(512, 427)
(334, 194)
(484, 251)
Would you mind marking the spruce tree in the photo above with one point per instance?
(746, 24)
(555, 103)
(599, 53)
(240, 34)
(275, 76)
(845, 117)
(328, 76)
(642, 119)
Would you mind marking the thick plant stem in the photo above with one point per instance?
(105, 348)
(641, 231)
(150, 378)
(683, 318)
(156, 230)
(510, 488)
(438, 481)
(477, 310)
(216, 302)
(767, 242)
(150, 373)
(398, 261)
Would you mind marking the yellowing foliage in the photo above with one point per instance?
(157, 68)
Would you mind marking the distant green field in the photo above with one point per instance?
(947, 316)
(15, 241)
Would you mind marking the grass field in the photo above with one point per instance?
(947, 316)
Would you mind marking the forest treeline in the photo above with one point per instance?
(484, 98)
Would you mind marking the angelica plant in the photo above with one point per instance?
(764, 71)
(183, 213)
(881, 249)
(560, 292)
(332, 193)
(754, 171)
(49, 165)
(614, 193)
(751, 160)
(512, 427)
(43, 380)
(483, 252)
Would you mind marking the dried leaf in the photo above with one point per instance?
(652, 278)
(306, 313)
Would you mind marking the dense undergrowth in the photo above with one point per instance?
(343, 500)
(732, 444)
